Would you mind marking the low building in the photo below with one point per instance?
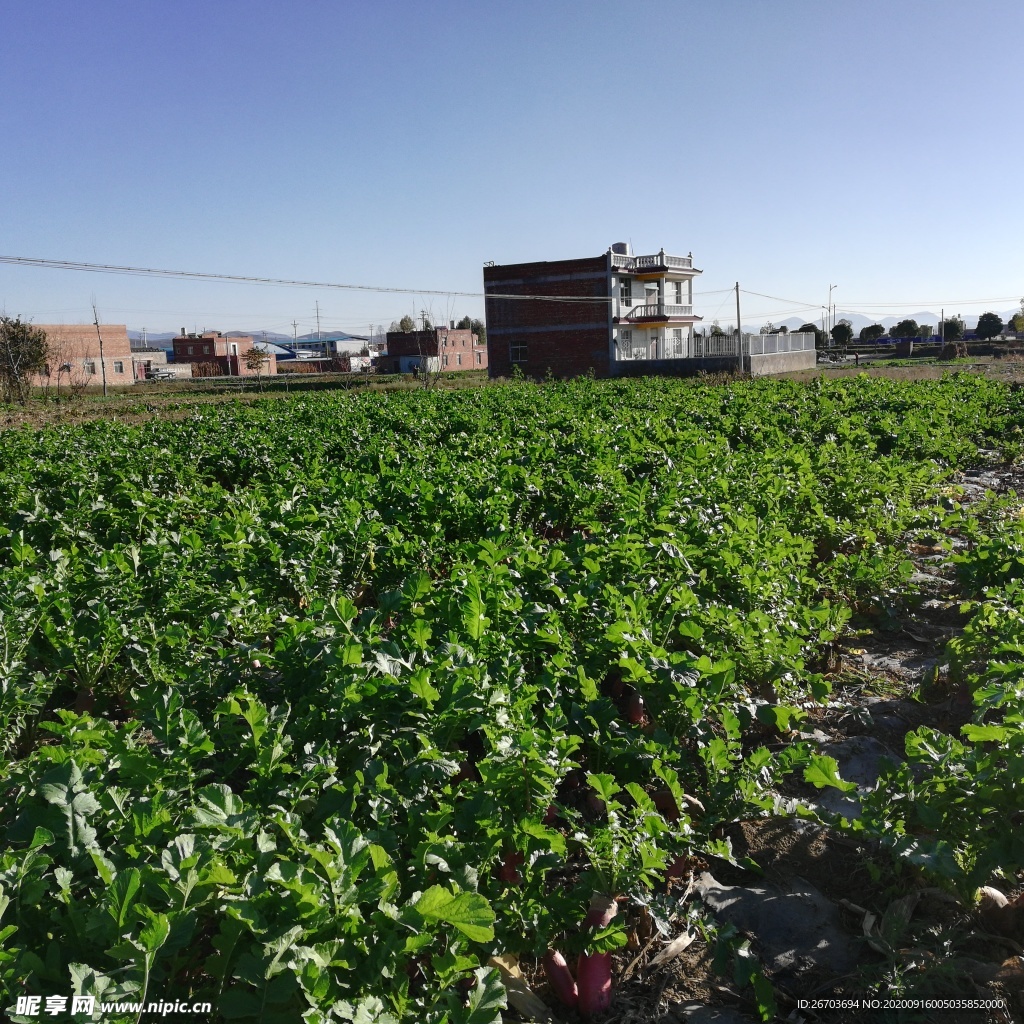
(615, 315)
(438, 349)
(151, 364)
(213, 354)
(73, 357)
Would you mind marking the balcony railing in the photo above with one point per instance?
(656, 309)
(658, 261)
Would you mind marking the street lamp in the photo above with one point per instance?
(831, 308)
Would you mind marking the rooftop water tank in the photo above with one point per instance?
(620, 248)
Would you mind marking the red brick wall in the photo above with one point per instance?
(565, 338)
(442, 341)
(77, 345)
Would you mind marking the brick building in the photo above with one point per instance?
(441, 348)
(629, 308)
(74, 355)
(211, 348)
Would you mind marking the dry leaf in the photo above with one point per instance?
(521, 997)
(672, 950)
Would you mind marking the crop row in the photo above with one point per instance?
(311, 707)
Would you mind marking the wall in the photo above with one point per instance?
(566, 338)
(77, 347)
(782, 362)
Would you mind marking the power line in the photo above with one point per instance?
(196, 275)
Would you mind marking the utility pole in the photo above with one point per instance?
(739, 328)
(942, 328)
(295, 332)
(103, 365)
(318, 325)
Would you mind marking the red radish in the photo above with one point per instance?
(602, 911)
(560, 978)
(666, 803)
(509, 870)
(636, 709)
(594, 978)
(676, 868)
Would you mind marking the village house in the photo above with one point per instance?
(213, 349)
(73, 357)
(616, 315)
(440, 348)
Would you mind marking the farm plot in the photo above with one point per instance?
(367, 708)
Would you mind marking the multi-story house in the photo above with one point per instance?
(228, 354)
(618, 315)
(440, 348)
(626, 308)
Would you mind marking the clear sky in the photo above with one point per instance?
(789, 144)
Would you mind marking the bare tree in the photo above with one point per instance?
(431, 341)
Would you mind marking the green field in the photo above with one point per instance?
(312, 706)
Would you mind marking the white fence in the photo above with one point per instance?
(773, 344)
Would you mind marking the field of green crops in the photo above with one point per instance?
(312, 707)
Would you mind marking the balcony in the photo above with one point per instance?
(654, 311)
(660, 261)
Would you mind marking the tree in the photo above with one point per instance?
(924, 332)
(23, 352)
(952, 329)
(255, 360)
(904, 329)
(1017, 322)
(989, 325)
(819, 334)
(716, 330)
(407, 325)
(476, 326)
(767, 328)
(842, 332)
(871, 333)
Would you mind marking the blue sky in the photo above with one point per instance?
(789, 144)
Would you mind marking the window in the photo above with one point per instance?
(517, 352)
(677, 341)
(625, 344)
(118, 366)
(679, 292)
(479, 358)
(626, 292)
(90, 366)
(458, 359)
(445, 360)
(189, 349)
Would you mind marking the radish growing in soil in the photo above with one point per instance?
(560, 978)
(594, 970)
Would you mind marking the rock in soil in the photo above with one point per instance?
(796, 929)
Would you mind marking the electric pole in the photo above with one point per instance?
(739, 328)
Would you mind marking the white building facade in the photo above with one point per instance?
(652, 306)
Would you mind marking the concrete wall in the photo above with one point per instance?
(782, 362)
